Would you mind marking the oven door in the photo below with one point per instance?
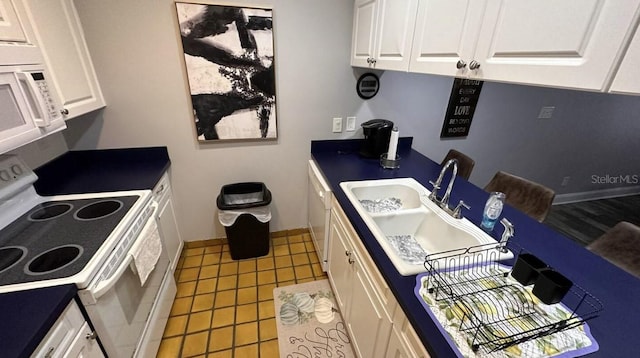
(129, 318)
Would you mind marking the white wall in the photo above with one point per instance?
(43, 150)
(136, 50)
(589, 133)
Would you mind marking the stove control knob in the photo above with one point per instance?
(16, 169)
(4, 175)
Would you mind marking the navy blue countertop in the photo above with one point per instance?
(27, 316)
(94, 171)
(616, 329)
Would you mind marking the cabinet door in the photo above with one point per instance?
(10, 27)
(340, 260)
(395, 26)
(364, 31)
(626, 79)
(368, 326)
(446, 33)
(62, 334)
(169, 232)
(395, 348)
(572, 43)
(84, 347)
(60, 36)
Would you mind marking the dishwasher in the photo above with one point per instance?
(319, 211)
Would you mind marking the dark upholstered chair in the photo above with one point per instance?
(465, 164)
(531, 198)
(620, 245)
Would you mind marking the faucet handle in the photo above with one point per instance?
(506, 234)
(457, 212)
(434, 192)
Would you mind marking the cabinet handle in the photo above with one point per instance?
(49, 353)
(91, 336)
(64, 112)
(368, 59)
(373, 61)
(160, 189)
(349, 259)
(474, 65)
(461, 64)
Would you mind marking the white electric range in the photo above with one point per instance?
(88, 240)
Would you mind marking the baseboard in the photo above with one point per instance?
(595, 195)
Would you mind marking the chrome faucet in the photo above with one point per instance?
(506, 234)
(444, 202)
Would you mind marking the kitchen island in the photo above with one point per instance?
(618, 290)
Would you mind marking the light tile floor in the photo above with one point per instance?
(224, 307)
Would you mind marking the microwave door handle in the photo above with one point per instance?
(35, 100)
(103, 286)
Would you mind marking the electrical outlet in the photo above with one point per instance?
(351, 124)
(337, 125)
(546, 112)
(565, 181)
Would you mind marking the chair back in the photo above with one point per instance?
(529, 197)
(620, 245)
(465, 164)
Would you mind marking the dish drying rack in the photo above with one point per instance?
(471, 278)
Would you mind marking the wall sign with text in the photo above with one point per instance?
(462, 104)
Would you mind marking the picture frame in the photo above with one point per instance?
(229, 60)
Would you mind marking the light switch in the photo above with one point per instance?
(351, 124)
(337, 125)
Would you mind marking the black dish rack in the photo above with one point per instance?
(467, 279)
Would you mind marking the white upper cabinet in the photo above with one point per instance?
(10, 26)
(569, 43)
(628, 75)
(17, 45)
(364, 31)
(382, 33)
(444, 39)
(59, 34)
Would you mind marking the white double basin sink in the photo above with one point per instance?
(408, 225)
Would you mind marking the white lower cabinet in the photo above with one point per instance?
(82, 346)
(166, 219)
(69, 337)
(366, 303)
(404, 341)
(396, 348)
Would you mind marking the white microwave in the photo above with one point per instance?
(28, 110)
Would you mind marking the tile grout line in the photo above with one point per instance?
(310, 261)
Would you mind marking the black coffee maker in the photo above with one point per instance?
(376, 137)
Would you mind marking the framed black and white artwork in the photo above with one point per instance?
(229, 58)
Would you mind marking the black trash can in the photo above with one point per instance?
(244, 212)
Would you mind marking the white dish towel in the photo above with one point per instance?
(146, 251)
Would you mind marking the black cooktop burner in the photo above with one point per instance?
(57, 239)
(10, 255)
(50, 211)
(98, 210)
(53, 260)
